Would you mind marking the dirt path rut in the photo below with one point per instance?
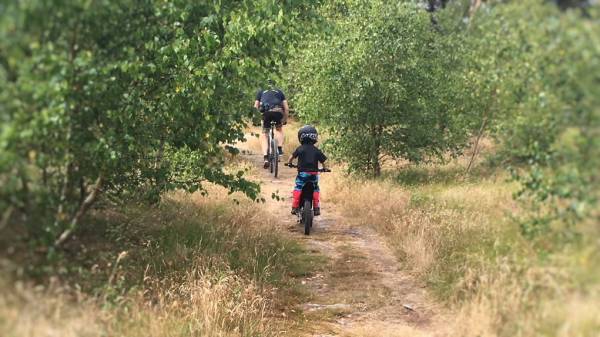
(361, 291)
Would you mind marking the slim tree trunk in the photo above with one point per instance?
(376, 133)
(6, 217)
(476, 146)
(159, 162)
(60, 212)
(475, 4)
(487, 116)
(377, 168)
(24, 191)
(67, 183)
(85, 206)
(82, 190)
(160, 154)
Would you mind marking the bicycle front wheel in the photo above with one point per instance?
(307, 216)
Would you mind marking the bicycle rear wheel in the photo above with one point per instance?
(270, 154)
(274, 158)
(307, 216)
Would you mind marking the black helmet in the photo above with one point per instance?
(308, 134)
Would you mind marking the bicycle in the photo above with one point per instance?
(305, 213)
(272, 153)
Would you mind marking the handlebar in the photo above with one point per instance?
(319, 170)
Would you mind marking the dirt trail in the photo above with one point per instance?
(361, 291)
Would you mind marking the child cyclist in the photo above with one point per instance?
(309, 157)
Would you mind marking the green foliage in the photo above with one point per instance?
(390, 81)
(132, 99)
(546, 108)
(384, 84)
(128, 98)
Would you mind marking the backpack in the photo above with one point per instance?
(270, 99)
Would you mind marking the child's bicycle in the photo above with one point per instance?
(305, 213)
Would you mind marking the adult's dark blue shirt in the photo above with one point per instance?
(272, 100)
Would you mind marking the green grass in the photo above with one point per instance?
(435, 174)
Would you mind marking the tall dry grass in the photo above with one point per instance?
(458, 234)
(194, 266)
(290, 133)
(204, 305)
(424, 224)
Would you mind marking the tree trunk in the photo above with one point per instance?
(6, 217)
(82, 190)
(475, 4)
(158, 181)
(63, 195)
(377, 167)
(85, 206)
(160, 154)
(376, 134)
(487, 116)
(24, 191)
(66, 190)
(476, 147)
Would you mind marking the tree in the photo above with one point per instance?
(127, 98)
(540, 64)
(382, 86)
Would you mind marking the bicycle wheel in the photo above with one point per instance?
(274, 157)
(270, 151)
(307, 216)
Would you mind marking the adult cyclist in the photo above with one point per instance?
(274, 107)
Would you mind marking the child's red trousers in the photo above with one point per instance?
(302, 179)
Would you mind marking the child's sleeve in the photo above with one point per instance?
(321, 156)
(296, 153)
